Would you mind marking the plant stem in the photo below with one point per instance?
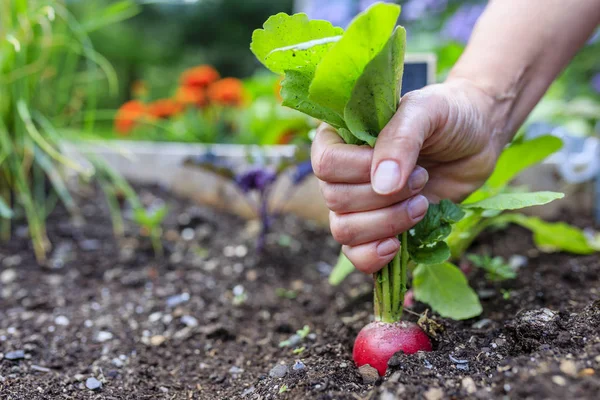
(390, 286)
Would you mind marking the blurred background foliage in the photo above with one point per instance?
(160, 39)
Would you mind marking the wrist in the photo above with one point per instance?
(493, 108)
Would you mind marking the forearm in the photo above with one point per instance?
(518, 48)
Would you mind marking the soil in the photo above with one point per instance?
(211, 319)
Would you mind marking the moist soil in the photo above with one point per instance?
(212, 319)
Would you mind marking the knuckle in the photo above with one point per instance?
(341, 230)
(324, 163)
(333, 200)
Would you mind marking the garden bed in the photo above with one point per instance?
(208, 321)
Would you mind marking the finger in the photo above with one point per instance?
(348, 198)
(371, 257)
(337, 162)
(363, 227)
(399, 143)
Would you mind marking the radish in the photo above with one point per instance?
(352, 79)
(378, 341)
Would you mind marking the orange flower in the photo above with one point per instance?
(188, 95)
(164, 108)
(228, 91)
(200, 76)
(139, 89)
(277, 89)
(128, 115)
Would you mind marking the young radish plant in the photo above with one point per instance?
(352, 80)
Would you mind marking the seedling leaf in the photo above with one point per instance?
(445, 288)
(344, 63)
(5, 211)
(513, 160)
(515, 201)
(554, 236)
(375, 96)
(282, 43)
(425, 240)
(342, 269)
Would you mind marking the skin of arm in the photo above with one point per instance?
(516, 66)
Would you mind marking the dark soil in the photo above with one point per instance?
(208, 321)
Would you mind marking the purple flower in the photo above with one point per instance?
(416, 9)
(256, 179)
(338, 12)
(303, 170)
(595, 82)
(460, 26)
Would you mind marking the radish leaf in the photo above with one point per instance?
(338, 71)
(445, 288)
(554, 236)
(515, 201)
(375, 96)
(282, 43)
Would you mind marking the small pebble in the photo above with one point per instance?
(481, 323)
(61, 320)
(278, 371)
(368, 373)
(468, 384)
(8, 276)
(15, 355)
(434, 394)
(559, 380)
(157, 340)
(117, 362)
(189, 321)
(93, 384)
(178, 299)
(188, 234)
(235, 370)
(568, 367)
(298, 365)
(103, 336)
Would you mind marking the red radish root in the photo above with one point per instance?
(377, 342)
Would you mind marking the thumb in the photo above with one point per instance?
(399, 143)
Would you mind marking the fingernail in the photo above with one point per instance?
(418, 179)
(417, 206)
(387, 247)
(387, 177)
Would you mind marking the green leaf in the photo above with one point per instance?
(5, 211)
(375, 96)
(515, 201)
(111, 14)
(496, 268)
(513, 160)
(294, 91)
(342, 269)
(554, 236)
(281, 44)
(435, 226)
(445, 288)
(344, 63)
(425, 240)
(435, 254)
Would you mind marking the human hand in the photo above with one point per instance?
(450, 130)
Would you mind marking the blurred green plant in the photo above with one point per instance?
(49, 75)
